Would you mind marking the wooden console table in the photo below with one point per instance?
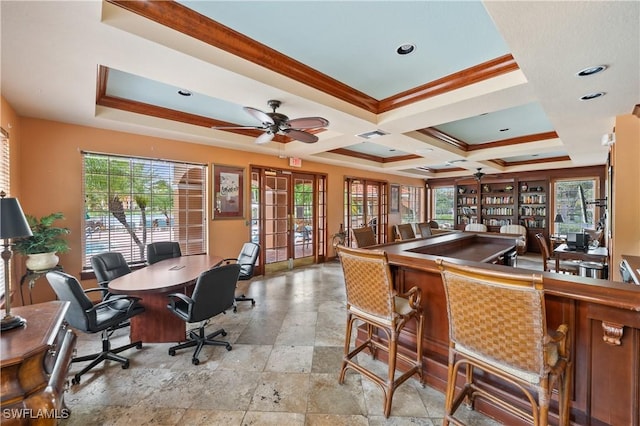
(35, 360)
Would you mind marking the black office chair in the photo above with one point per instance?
(247, 260)
(108, 266)
(162, 250)
(213, 294)
(103, 317)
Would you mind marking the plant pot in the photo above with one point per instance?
(42, 261)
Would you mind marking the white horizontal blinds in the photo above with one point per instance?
(4, 186)
(131, 202)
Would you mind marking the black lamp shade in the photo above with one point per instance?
(13, 224)
(559, 218)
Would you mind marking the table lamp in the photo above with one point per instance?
(13, 224)
(558, 219)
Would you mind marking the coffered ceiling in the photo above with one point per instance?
(489, 84)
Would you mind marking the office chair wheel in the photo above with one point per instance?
(224, 333)
(228, 347)
(75, 380)
(253, 303)
(139, 345)
(195, 361)
(172, 352)
(125, 365)
(235, 309)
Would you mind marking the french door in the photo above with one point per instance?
(288, 217)
(366, 205)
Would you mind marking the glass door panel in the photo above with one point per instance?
(276, 221)
(303, 210)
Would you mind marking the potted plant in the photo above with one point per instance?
(47, 240)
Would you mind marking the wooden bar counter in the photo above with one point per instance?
(604, 317)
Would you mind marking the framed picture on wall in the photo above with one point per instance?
(394, 202)
(228, 192)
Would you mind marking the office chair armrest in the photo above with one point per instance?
(115, 298)
(186, 299)
(93, 290)
(228, 260)
(414, 295)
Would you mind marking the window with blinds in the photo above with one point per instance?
(131, 202)
(4, 185)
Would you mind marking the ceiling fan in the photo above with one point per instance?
(478, 175)
(275, 123)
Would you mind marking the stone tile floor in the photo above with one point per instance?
(283, 369)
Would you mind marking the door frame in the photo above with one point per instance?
(318, 221)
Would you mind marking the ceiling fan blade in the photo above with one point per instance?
(308, 123)
(263, 117)
(236, 127)
(302, 136)
(264, 138)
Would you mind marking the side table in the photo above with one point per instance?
(31, 277)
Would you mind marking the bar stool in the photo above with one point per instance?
(372, 299)
(497, 324)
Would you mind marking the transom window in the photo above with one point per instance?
(131, 202)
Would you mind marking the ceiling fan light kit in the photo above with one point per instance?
(275, 123)
(478, 175)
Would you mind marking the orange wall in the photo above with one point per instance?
(50, 176)
(626, 194)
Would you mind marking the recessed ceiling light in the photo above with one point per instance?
(590, 96)
(591, 70)
(184, 92)
(392, 150)
(505, 129)
(405, 48)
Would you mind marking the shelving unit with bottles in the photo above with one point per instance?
(533, 210)
(498, 204)
(467, 198)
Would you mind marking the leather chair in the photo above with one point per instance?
(549, 263)
(521, 243)
(162, 250)
(425, 229)
(405, 231)
(109, 265)
(497, 324)
(372, 299)
(213, 294)
(103, 317)
(247, 260)
(364, 236)
(476, 227)
(433, 224)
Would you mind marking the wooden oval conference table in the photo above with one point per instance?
(152, 284)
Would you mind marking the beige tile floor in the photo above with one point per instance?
(283, 369)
